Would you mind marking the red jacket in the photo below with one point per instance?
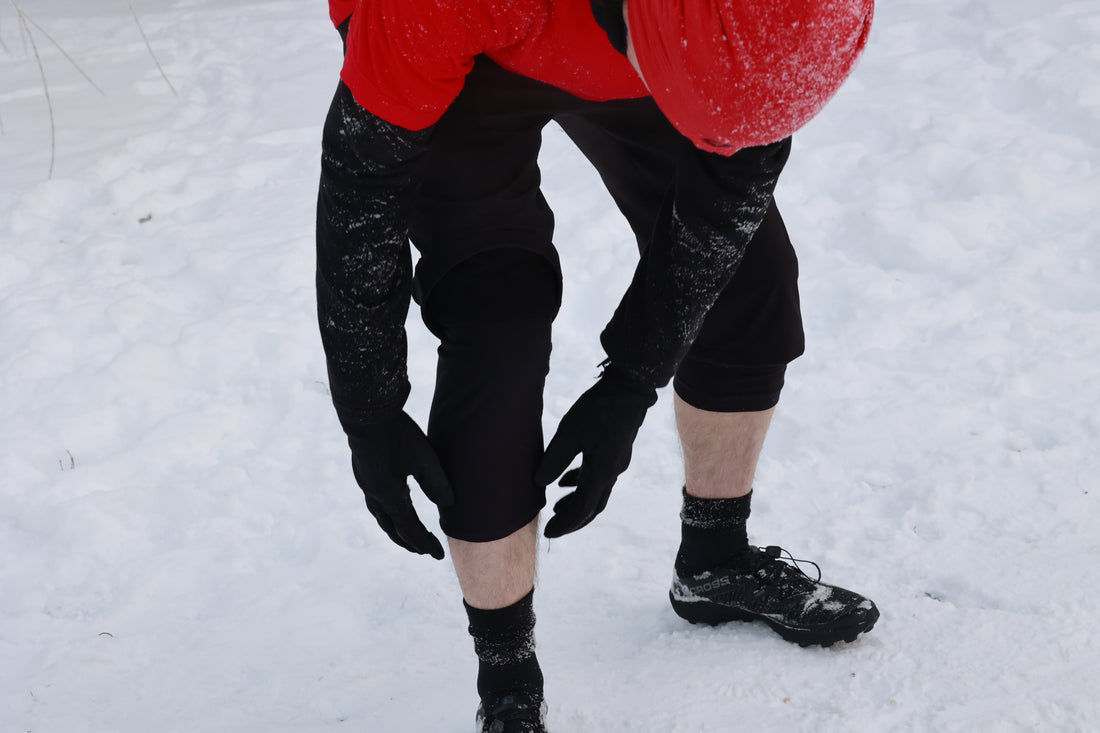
(407, 65)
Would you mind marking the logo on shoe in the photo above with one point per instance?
(712, 585)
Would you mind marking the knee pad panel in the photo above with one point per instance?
(494, 286)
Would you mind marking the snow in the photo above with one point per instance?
(182, 546)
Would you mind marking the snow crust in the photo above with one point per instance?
(183, 548)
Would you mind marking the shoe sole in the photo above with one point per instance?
(713, 614)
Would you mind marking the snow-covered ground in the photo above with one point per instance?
(183, 548)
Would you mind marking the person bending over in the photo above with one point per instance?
(685, 109)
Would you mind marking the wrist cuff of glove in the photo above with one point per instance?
(614, 375)
(359, 419)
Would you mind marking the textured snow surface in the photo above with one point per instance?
(183, 548)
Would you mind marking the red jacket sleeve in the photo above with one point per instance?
(340, 10)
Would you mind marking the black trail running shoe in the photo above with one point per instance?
(801, 609)
(512, 714)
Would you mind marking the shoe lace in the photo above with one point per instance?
(776, 554)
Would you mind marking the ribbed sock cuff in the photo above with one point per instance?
(503, 635)
(715, 513)
(504, 640)
(713, 532)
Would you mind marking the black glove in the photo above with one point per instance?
(383, 455)
(601, 426)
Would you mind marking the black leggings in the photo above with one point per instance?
(489, 285)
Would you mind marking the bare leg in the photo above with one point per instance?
(713, 582)
(721, 449)
(497, 579)
(499, 573)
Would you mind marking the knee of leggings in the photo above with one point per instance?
(486, 425)
(493, 287)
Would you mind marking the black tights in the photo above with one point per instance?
(489, 285)
(493, 315)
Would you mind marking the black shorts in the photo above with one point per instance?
(489, 284)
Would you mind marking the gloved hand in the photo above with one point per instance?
(384, 455)
(601, 427)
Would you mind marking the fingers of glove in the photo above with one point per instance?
(568, 504)
(419, 460)
(424, 466)
(386, 523)
(571, 513)
(419, 539)
(572, 477)
(405, 529)
(398, 519)
(564, 520)
(574, 510)
(563, 448)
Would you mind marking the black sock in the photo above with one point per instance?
(713, 533)
(504, 639)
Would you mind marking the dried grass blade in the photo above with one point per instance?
(150, 47)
